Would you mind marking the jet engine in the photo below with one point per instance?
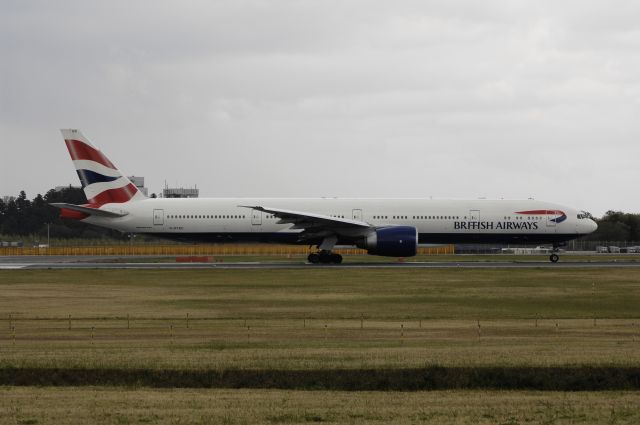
(391, 241)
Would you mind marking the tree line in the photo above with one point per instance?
(617, 226)
(24, 217)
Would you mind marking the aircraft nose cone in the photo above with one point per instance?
(592, 226)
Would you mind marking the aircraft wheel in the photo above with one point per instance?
(554, 258)
(325, 258)
(336, 258)
(314, 258)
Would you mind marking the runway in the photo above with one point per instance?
(97, 262)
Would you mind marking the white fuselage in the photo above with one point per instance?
(437, 221)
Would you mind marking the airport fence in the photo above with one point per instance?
(588, 245)
(195, 250)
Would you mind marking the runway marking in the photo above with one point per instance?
(13, 266)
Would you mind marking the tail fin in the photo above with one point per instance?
(102, 182)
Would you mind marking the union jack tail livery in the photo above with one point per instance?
(102, 182)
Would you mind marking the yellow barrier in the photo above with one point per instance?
(195, 250)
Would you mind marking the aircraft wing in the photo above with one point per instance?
(87, 210)
(315, 225)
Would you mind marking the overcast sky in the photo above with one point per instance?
(449, 99)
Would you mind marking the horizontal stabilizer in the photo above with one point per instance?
(88, 210)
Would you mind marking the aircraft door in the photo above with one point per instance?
(357, 215)
(550, 222)
(158, 217)
(256, 217)
(474, 217)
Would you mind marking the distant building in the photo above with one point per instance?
(139, 182)
(180, 192)
(61, 188)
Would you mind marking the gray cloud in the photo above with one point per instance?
(349, 98)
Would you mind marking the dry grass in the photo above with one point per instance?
(125, 406)
(412, 318)
(286, 344)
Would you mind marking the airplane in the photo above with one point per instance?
(385, 227)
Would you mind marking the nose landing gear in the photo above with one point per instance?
(554, 257)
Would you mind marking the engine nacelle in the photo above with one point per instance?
(392, 241)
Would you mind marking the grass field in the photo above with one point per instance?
(319, 319)
(27, 405)
(318, 329)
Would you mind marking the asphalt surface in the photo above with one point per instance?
(101, 262)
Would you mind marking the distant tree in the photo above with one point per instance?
(617, 226)
(610, 231)
(22, 203)
(10, 222)
(3, 210)
(71, 195)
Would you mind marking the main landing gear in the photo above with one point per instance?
(324, 257)
(554, 257)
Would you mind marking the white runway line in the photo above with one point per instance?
(13, 266)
